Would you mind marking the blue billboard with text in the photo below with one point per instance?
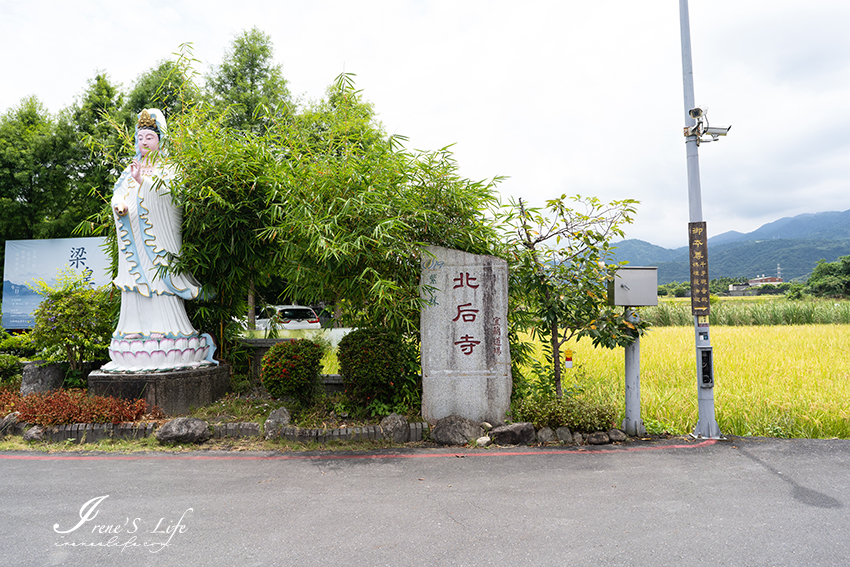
(30, 260)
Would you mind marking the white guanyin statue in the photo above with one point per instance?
(154, 332)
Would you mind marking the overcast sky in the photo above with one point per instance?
(575, 97)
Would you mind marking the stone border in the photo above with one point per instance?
(374, 432)
(88, 432)
(92, 432)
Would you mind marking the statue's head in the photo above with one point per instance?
(150, 129)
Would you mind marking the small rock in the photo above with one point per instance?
(183, 430)
(564, 435)
(514, 434)
(41, 377)
(456, 430)
(395, 428)
(35, 433)
(546, 435)
(483, 441)
(577, 438)
(616, 436)
(8, 422)
(277, 420)
(598, 438)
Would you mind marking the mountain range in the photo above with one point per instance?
(790, 246)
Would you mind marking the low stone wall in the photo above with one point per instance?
(93, 432)
(305, 435)
(258, 348)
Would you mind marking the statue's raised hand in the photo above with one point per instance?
(136, 171)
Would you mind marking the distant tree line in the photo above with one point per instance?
(831, 279)
(828, 279)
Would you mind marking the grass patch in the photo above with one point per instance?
(231, 409)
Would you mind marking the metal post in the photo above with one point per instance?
(633, 424)
(706, 426)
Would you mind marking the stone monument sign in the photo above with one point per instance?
(466, 361)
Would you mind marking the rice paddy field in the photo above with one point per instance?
(770, 380)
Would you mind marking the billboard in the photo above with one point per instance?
(29, 260)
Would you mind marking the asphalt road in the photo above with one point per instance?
(743, 502)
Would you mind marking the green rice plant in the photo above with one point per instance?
(667, 314)
(761, 310)
(781, 380)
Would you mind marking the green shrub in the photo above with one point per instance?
(572, 412)
(11, 368)
(20, 345)
(291, 370)
(241, 383)
(377, 369)
(74, 322)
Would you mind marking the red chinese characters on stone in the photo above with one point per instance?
(466, 312)
(464, 279)
(467, 343)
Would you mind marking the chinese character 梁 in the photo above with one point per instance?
(78, 257)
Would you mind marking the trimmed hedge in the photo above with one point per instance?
(374, 364)
(291, 370)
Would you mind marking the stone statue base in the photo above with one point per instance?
(173, 391)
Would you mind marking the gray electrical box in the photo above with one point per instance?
(634, 286)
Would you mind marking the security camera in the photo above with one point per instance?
(697, 112)
(715, 131)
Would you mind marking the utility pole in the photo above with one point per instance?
(696, 127)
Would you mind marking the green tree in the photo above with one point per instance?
(830, 279)
(325, 201)
(99, 144)
(360, 208)
(226, 183)
(36, 200)
(249, 88)
(165, 87)
(248, 85)
(559, 273)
